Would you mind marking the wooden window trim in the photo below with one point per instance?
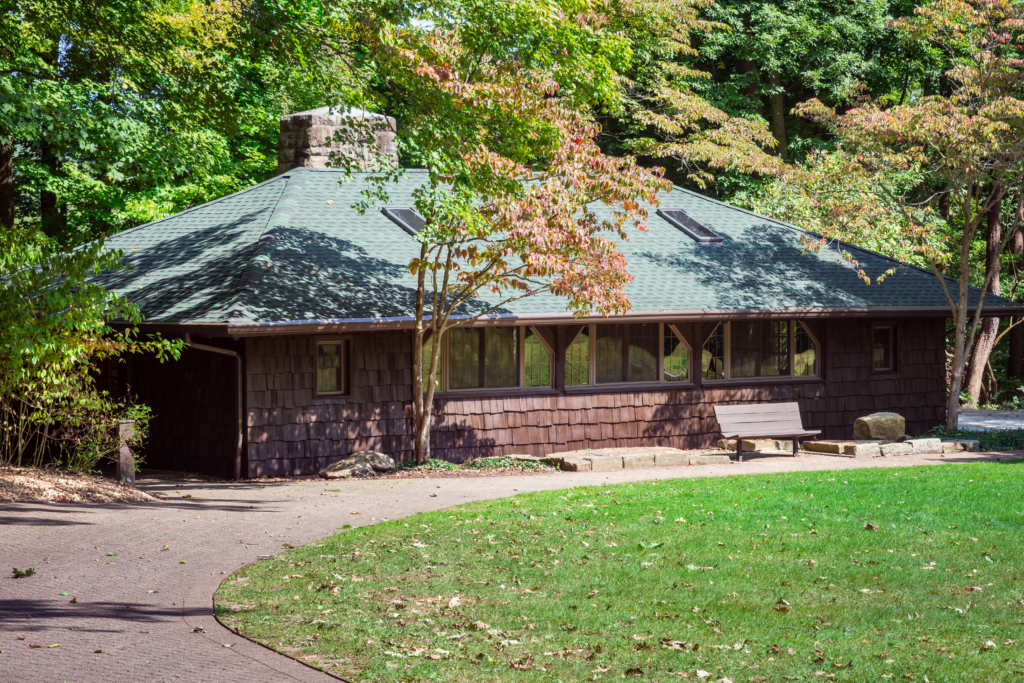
(346, 365)
(818, 365)
(893, 369)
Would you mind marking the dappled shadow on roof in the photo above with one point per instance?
(746, 273)
(185, 275)
(310, 275)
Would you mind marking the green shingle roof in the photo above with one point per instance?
(294, 249)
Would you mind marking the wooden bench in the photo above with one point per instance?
(762, 421)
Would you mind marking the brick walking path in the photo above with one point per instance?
(142, 606)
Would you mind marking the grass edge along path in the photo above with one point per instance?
(857, 575)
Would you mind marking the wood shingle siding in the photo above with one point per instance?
(291, 432)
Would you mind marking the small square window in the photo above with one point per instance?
(882, 349)
(330, 368)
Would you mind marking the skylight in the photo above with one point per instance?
(405, 218)
(682, 220)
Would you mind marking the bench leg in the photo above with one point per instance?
(796, 445)
(739, 450)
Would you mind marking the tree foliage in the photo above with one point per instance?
(967, 146)
(53, 334)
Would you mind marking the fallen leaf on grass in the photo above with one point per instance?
(454, 602)
(633, 672)
(166, 547)
(701, 673)
(871, 527)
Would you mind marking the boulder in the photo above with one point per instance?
(883, 426)
(361, 464)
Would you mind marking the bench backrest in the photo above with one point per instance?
(759, 418)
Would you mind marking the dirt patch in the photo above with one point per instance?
(29, 485)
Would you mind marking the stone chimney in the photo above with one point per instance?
(306, 139)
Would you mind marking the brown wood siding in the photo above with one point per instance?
(289, 431)
(193, 401)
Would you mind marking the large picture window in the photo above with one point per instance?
(636, 353)
(748, 349)
(477, 358)
(483, 358)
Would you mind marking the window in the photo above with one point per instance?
(712, 364)
(627, 353)
(536, 361)
(804, 353)
(759, 348)
(330, 368)
(577, 360)
(405, 218)
(690, 227)
(483, 358)
(676, 357)
(631, 353)
(882, 349)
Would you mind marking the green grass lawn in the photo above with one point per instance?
(863, 575)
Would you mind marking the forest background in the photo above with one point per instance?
(118, 112)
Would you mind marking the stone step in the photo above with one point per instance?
(873, 448)
(610, 459)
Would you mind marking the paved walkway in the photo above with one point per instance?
(142, 606)
(985, 420)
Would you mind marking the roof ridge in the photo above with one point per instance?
(251, 274)
(790, 226)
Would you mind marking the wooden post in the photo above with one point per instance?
(125, 461)
(560, 335)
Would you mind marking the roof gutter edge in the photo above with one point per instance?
(244, 329)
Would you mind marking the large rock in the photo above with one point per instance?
(883, 426)
(361, 464)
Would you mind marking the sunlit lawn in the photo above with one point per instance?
(750, 578)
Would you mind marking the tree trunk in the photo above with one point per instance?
(1017, 333)
(749, 68)
(52, 216)
(778, 116)
(7, 184)
(989, 326)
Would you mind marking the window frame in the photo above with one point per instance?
(446, 364)
(892, 327)
(593, 384)
(346, 365)
(791, 377)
